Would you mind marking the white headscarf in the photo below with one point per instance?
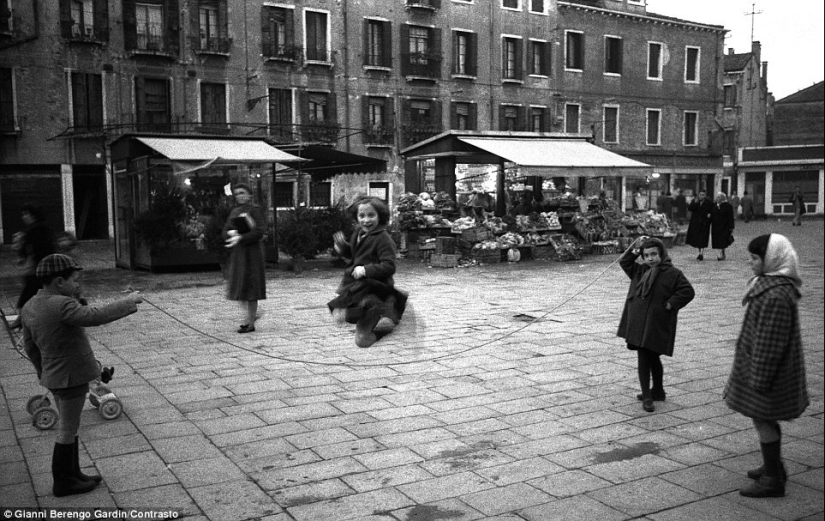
(781, 259)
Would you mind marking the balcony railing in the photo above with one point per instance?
(379, 135)
(421, 64)
(414, 133)
(288, 53)
(152, 41)
(428, 5)
(212, 44)
(323, 131)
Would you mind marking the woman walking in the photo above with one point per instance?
(767, 382)
(698, 234)
(244, 231)
(721, 225)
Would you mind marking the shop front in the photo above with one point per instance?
(171, 196)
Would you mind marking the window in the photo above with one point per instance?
(420, 51)
(317, 42)
(610, 124)
(380, 189)
(212, 29)
(87, 102)
(280, 114)
(692, 64)
(5, 16)
(612, 55)
(80, 20)
(539, 6)
(284, 194)
(511, 4)
(149, 18)
(378, 121)
(574, 50)
(7, 117)
(320, 194)
(511, 59)
(730, 96)
(213, 104)
(539, 58)
(319, 116)
(690, 135)
(278, 33)
(421, 119)
(654, 61)
(317, 107)
(537, 120)
(464, 53)
(421, 112)
(729, 142)
(152, 104)
(378, 43)
(654, 127)
(511, 118)
(571, 118)
(463, 116)
(82, 17)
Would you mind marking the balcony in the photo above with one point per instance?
(218, 45)
(421, 65)
(87, 33)
(423, 5)
(324, 131)
(152, 44)
(379, 136)
(284, 53)
(416, 132)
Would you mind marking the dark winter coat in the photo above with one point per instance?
(722, 224)
(768, 376)
(246, 274)
(681, 206)
(798, 202)
(645, 320)
(374, 251)
(700, 218)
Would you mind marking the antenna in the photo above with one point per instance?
(753, 14)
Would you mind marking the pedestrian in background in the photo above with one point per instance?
(680, 202)
(54, 338)
(658, 290)
(798, 203)
(367, 291)
(244, 231)
(667, 206)
(747, 207)
(767, 382)
(698, 234)
(32, 244)
(722, 225)
(734, 202)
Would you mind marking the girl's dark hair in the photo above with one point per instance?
(759, 245)
(380, 206)
(654, 243)
(32, 210)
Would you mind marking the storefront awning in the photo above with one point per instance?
(192, 150)
(558, 157)
(324, 162)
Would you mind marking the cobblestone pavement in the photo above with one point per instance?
(504, 394)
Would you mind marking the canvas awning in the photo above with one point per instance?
(559, 157)
(218, 150)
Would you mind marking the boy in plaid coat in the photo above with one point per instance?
(767, 382)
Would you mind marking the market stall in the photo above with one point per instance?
(171, 196)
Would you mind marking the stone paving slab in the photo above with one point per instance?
(503, 395)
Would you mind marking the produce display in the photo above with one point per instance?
(510, 240)
(538, 221)
(417, 211)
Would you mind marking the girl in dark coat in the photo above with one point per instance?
(367, 291)
(767, 382)
(701, 210)
(722, 224)
(243, 231)
(657, 292)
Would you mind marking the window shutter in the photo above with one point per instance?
(365, 114)
(289, 24)
(437, 120)
(473, 116)
(366, 43)
(172, 27)
(502, 121)
(389, 113)
(101, 20)
(621, 55)
(453, 115)
(472, 54)
(405, 49)
(386, 39)
(520, 59)
(195, 24)
(65, 18)
(436, 50)
(303, 109)
(223, 19)
(79, 99)
(95, 84)
(332, 108)
(140, 101)
(129, 24)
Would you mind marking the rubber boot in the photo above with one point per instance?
(364, 334)
(65, 482)
(76, 465)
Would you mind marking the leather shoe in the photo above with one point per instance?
(700, 257)
(647, 405)
(656, 396)
(246, 328)
(766, 486)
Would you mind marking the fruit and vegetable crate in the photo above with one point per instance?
(605, 248)
(445, 245)
(444, 260)
(477, 234)
(485, 256)
(543, 252)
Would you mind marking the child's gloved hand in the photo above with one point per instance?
(106, 374)
(359, 272)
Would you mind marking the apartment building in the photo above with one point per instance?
(367, 78)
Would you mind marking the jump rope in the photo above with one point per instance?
(418, 360)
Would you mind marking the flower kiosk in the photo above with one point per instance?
(171, 196)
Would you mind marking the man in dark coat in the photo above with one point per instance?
(698, 234)
(722, 224)
(680, 202)
(798, 203)
(657, 292)
(747, 207)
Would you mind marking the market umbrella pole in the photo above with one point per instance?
(501, 204)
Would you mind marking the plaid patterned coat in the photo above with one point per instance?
(768, 376)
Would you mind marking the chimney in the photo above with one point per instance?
(765, 72)
(730, 51)
(756, 49)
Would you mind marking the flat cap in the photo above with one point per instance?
(55, 263)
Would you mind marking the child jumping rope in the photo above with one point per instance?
(367, 291)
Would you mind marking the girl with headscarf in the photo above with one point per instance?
(721, 225)
(767, 382)
(657, 292)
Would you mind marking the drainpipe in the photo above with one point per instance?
(345, 51)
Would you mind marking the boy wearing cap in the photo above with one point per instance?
(55, 341)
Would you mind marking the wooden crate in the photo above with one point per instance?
(605, 249)
(445, 245)
(444, 260)
(477, 234)
(543, 252)
(486, 256)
